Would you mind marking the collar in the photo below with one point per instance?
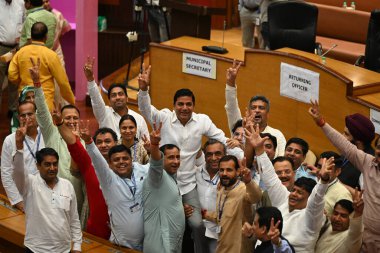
(333, 182)
(39, 43)
(40, 8)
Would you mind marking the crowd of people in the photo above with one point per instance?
(249, 190)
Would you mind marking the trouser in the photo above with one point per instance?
(12, 89)
(157, 25)
(195, 221)
(27, 250)
(247, 20)
(265, 34)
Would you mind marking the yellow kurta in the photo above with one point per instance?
(50, 69)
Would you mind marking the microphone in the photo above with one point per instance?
(216, 49)
(331, 48)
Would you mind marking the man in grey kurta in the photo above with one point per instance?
(164, 217)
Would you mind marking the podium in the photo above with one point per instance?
(189, 19)
(339, 86)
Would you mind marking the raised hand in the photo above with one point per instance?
(146, 143)
(232, 73)
(358, 203)
(274, 232)
(20, 134)
(233, 143)
(248, 119)
(245, 173)
(56, 114)
(155, 135)
(247, 229)
(326, 170)
(35, 72)
(312, 169)
(254, 138)
(144, 78)
(89, 68)
(84, 131)
(315, 112)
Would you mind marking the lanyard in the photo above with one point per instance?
(38, 145)
(134, 152)
(132, 188)
(213, 181)
(221, 207)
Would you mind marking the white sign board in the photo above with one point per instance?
(375, 118)
(199, 65)
(299, 83)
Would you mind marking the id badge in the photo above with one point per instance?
(257, 21)
(218, 229)
(135, 208)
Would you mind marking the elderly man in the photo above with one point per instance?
(369, 166)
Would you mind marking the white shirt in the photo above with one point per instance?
(7, 165)
(234, 114)
(51, 215)
(11, 20)
(107, 117)
(188, 138)
(207, 191)
(301, 227)
(124, 208)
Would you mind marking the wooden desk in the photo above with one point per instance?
(259, 74)
(366, 83)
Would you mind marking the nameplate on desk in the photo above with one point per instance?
(199, 65)
(299, 83)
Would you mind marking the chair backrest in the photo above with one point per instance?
(372, 49)
(292, 24)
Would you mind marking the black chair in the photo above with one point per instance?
(372, 49)
(293, 24)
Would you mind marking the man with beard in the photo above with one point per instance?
(207, 177)
(303, 205)
(109, 116)
(296, 149)
(258, 109)
(343, 234)
(164, 219)
(369, 166)
(233, 195)
(33, 142)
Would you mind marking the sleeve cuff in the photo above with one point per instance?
(77, 246)
(143, 92)
(229, 88)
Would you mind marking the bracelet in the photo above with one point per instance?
(37, 84)
(321, 122)
(60, 123)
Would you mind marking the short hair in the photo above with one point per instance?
(69, 106)
(266, 213)
(260, 98)
(214, 141)
(36, 3)
(304, 145)
(238, 124)
(184, 93)
(227, 158)
(346, 204)
(305, 183)
(118, 149)
(116, 85)
(104, 130)
(279, 159)
(127, 117)
(42, 153)
(271, 137)
(39, 31)
(168, 147)
(24, 103)
(338, 161)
